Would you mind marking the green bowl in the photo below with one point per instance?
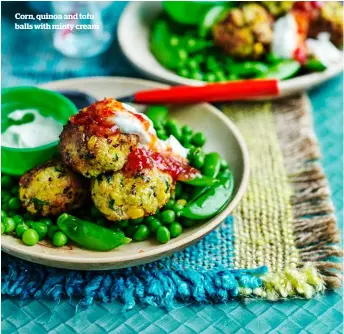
(16, 161)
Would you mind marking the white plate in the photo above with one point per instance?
(133, 36)
(222, 137)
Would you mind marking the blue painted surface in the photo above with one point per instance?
(323, 314)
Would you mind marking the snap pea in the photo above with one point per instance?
(315, 65)
(247, 68)
(157, 114)
(161, 48)
(89, 235)
(283, 70)
(211, 202)
(210, 18)
(201, 181)
(212, 164)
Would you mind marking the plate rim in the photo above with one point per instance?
(287, 87)
(164, 249)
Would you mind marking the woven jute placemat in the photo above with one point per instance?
(286, 219)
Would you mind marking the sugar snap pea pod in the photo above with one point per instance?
(315, 65)
(212, 164)
(160, 46)
(283, 70)
(157, 114)
(247, 68)
(210, 203)
(89, 235)
(210, 18)
(201, 181)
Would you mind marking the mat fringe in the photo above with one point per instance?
(315, 228)
(148, 284)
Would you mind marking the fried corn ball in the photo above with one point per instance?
(51, 189)
(245, 33)
(121, 196)
(330, 19)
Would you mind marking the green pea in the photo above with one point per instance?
(14, 203)
(198, 139)
(168, 216)
(148, 219)
(20, 229)
(10, 225)
(193, 65)
(220, 76)
(46, 221)
(59, 239)
(196, 75)
(187, 222)
(15, 190)
(170, 204)
(5, 197)
(184, 72)
(163, 234)
(18, 219)
(136, 221)
(30, 223)
(186, 130)
(3, 215)
(224, 165)
(142, 233)
(178, 189)
(3, 228)
(162, 134)
(176, 229)
(232, 77)
(154, 225)
(95, 212)
(210, 77)
(186, 140)
(52, 230)
(41, 229)
(174, 41)
(176, 131)
(182, 54)
(30, 237)
(178, 207)
(123, 223)
(130, 230)
(198, 159)
(6, 181)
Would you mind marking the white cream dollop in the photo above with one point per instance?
(285, 37)
(41, 131)
(126, 122)
(324, 50)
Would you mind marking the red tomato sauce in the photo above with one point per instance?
(177, 167)
(94, 118)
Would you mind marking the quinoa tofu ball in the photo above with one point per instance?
(121, 196)
(329, 19)
(51, 189)
(92, 148)
(245, 33)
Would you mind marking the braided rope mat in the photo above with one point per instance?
(284, 224)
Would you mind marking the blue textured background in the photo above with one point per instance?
(27, 57)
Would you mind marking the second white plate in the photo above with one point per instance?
(133, 35)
